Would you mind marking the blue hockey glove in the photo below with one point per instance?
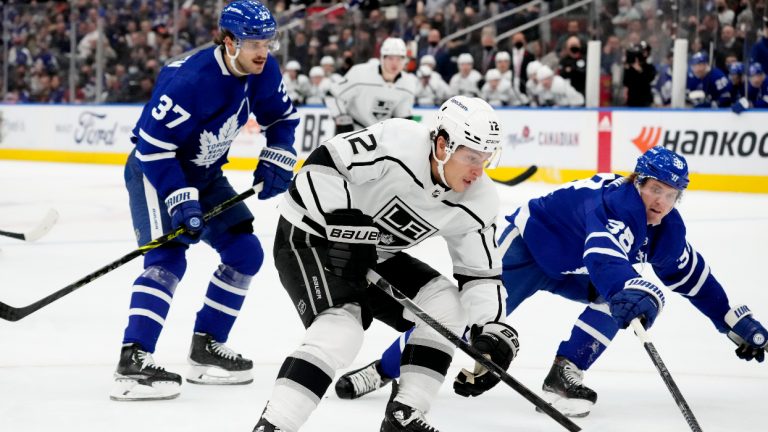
(639, 299)
(184, 209)
(275, 170)
(740, 106)
(750, 336)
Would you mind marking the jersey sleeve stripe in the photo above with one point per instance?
(695, 290)
(287, 115)
(694, 262)
(603, 234)
(604, 251)
(156, 142)
(155, 156)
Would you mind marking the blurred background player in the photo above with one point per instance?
(707, 87)
(554, 91)
(318, 86)
(372, 92)
(564, 244)
(757, 91)
(466, 81)
(358, 202)
(296, 83)
(174, 175)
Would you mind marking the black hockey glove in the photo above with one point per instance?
(344, 124)
(747, 332)
(352, 240)
(497, 341)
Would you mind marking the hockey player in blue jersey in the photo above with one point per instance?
(580, 242)
(707, 87)
(757, 91)
(736, 76)
(174, 176)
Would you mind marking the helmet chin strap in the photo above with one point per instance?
(441, 164)
(232, 58)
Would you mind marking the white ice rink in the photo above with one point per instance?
(56, 365)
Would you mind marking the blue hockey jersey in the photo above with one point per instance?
(716, 86)
(598, 227)
(758, 97)
(197, 108)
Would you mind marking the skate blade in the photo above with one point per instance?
(576, 408)
(212, 375)
(126, 389)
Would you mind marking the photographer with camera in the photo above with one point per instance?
(638, 76)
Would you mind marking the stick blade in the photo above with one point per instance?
(43, 227)
(523, 176)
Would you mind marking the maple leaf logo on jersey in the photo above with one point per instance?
(213, 147)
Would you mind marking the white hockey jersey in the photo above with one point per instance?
(434, 93)
(466, 86)
(296, 89)
(367, 98)
(384, 171)
(316, 93)
(561, 94)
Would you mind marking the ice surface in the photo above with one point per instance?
(56, 365)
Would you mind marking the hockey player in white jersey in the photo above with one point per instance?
(431, 90)
(296, 83)
(360, 200)
(318, 86)
(372, 92)
(554, 90)
(466, 81)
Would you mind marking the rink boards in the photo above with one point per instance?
(726, 152)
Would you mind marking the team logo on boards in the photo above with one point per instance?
(400, 226)
(746, 143)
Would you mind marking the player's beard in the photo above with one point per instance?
(253, 65)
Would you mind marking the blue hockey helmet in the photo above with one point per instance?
(248, 19)
(700, 57)
(663, 165)
(755, 69)
(736, 68)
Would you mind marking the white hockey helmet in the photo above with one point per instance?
(327, 60)
(428, 59)
(470, 122)
(393, 47)
(465, 58)
(502, 56)
(316, 72)
(532, 68)
(292, 65)
(492, 74)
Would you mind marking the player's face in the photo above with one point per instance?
(699, 70)
(464, 168)
(253, 55)
(392, 65)
(502, 65)
(659, 199)
(757, 80)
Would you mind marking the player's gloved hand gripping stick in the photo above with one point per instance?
(375, 279)
(10, 313)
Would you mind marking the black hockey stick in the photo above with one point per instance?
(666, 376)
(40, 230)
(10, 313)
(495, 369)
(516, 180)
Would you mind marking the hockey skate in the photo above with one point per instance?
(564, 390)
(265, 426)
(360, 382)
(138, 377)
(401, 417)
(214, 363)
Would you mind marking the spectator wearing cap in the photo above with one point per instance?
(554, 91)
(466, 81)
(431, 89)
(707, 87)
(573, 67)
(759, 52)
(520, 58)
(296, 84)
(328, 64)
(736, 76)
(318, 86)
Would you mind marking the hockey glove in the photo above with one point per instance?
(352, 240)
(639, 299)
(344, 124)
(184, 209)
(496, 341)
(750, 336)
(275, 170)
(740, 106)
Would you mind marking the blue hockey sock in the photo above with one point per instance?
(390, 359)
(590, 336)
(150, 302)
(222, 303)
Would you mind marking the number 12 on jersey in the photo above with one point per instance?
(354, 140)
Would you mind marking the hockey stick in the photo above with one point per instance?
(665, 375)
(523, 176)
(495, 369)
(10, 313)
(42, 228)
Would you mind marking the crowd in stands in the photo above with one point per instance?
(541, 66)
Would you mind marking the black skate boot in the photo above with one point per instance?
(564, 390)
(401, 417)
(214, 363)
(362, 381)
(138, 377)
(265, 426)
